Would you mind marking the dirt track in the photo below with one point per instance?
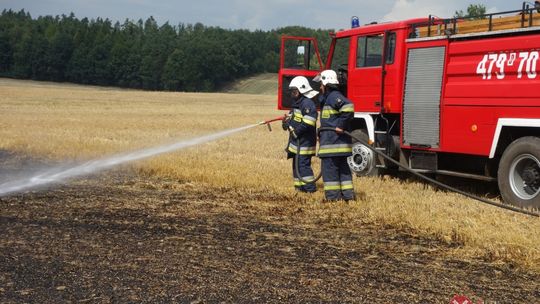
(122, 238)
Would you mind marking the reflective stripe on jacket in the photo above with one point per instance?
(336, 112)
(303, 121)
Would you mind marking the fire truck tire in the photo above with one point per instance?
(519, 173)
(363, 161)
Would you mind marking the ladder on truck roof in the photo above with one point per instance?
(527, 17)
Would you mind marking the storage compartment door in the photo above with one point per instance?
(422, 98)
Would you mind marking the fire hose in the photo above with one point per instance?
(433, 181)
(422, 176)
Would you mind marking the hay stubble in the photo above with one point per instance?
(66, 122)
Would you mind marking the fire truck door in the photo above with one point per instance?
(365, 72)
(299, 57)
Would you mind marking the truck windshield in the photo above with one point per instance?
(340, 58)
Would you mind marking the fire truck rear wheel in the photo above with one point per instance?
(363, 161)
(519, 173)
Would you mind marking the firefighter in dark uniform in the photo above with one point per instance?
(334, 146)
(301, 123)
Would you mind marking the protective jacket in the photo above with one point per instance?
(303, 119)
(336, 112)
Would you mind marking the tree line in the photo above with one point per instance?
(137, 54)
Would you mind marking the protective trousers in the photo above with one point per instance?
(337, 178)
(304, 168)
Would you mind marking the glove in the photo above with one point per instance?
(285, 123)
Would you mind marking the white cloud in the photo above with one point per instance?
(407, 9)
(493, 9)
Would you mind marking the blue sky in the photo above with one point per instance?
(246, 14)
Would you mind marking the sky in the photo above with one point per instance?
(255, 14)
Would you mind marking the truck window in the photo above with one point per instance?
(300, 54)
(369, 50)
(340, 58)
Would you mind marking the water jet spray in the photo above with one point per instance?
(62, 173)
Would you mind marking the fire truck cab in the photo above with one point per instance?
(456, 96)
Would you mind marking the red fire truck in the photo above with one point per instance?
(456, 96)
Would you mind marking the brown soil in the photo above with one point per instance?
(123, 238)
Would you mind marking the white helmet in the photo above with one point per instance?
(302, 84)
(327, 77)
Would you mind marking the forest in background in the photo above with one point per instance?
(137, 54)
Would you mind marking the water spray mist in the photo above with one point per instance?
(61, 173)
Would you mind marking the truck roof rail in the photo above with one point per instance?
(527, 16)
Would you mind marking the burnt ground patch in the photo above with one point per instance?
(124, 238)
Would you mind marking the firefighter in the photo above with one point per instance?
(301, 123)
(334, 146)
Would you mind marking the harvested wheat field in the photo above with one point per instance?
(220, 222)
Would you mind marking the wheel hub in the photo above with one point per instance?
(525, 176)
(361, 159)
(531, 177)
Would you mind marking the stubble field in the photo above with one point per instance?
(220, 221)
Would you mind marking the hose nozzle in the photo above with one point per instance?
(267, 122)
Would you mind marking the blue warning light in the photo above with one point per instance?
(355, 22)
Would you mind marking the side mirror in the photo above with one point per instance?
(301, 50)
